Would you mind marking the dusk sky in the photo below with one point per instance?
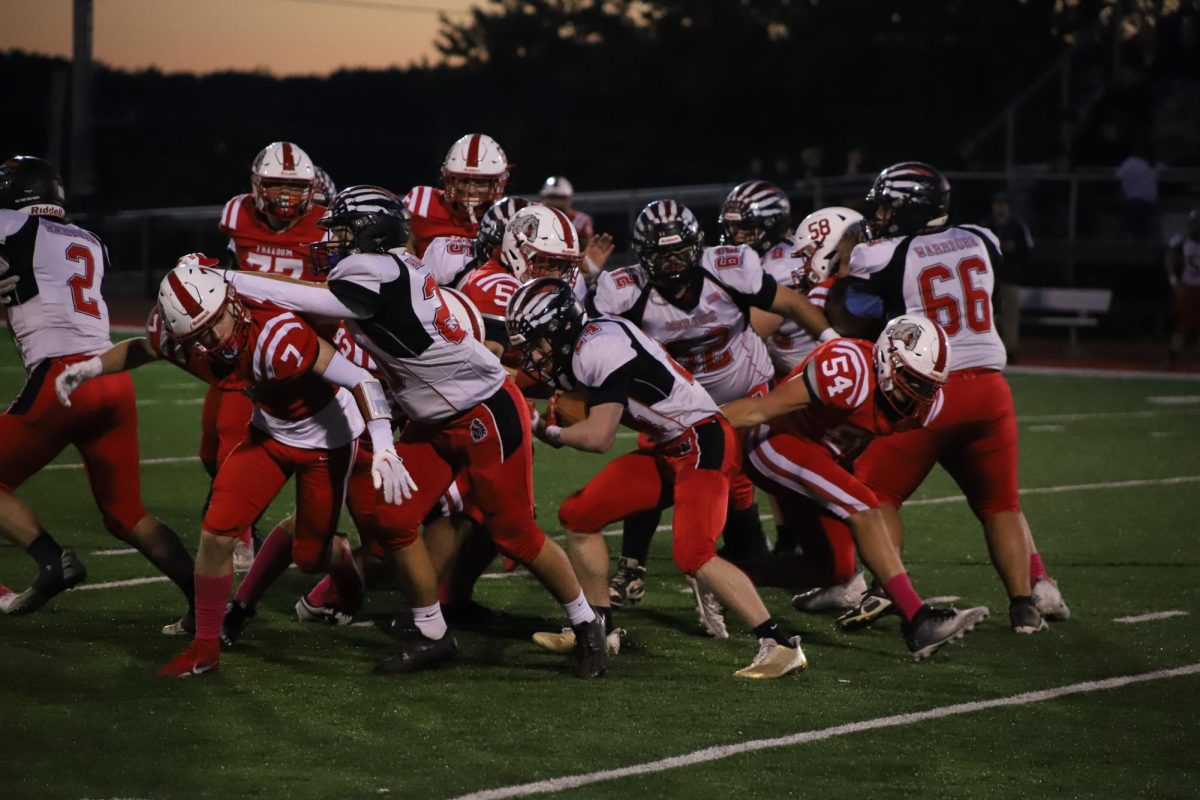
(285, 37)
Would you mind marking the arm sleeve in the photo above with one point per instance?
(302, 296)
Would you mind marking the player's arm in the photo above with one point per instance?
(795, 306)
(747, 412)
(121, 357)
(387, 468)
(305, 297)
(764, 323)
(594, 434)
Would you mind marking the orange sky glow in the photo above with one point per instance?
(283, 37)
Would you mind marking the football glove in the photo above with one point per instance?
(73, 377)
(388, 473)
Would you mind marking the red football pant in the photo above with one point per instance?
(250, 478)
(787, 465)
(101, 423)
(491, 443)
(974, 438)
(691, 472)
(223, 424)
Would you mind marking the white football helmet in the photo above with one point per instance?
(282, 179)
(556, 186)
(817, 237)
(474, 173)
(463, 310)
(912, 356)
(193, 298)
(541, 242)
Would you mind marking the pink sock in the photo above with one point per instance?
(211, 596)
(271, 562)
(901, 590)
(345, 576)
(247, 537)
(324, 593)
(1037, 570)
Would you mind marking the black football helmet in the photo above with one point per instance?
(908, 198)
(31, 184)
(360, 219)
(493, 223)
(755, 213)
(669, 243)
(545, 310)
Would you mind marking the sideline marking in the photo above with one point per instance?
(720, 752)
(1150, 617)
(1094, 372)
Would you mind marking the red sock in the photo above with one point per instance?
(247, 537)
(345, 576)
(901, 590)
(271, 562)
(211, 596)
(1037, 570)
(324, 593)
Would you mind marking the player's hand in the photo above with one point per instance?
(388, 473)
(8, 285)
(73, 377)
(598, 251)
(552, 409)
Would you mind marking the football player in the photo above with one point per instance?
(557, 192)
(269, 230)
(692, 458)
(918, 263)
(1182, 263)
(464, 413)
(309, 406)
(474, 174)
(50, 274)
(821, 417)
(696, 302)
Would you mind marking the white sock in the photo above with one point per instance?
(430, 621)
(578, 610)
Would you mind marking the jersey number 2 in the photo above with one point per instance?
(80, 283)
(945, 309)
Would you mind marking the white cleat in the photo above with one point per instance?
(307, 612)
(709, 609)
(7, 598)
(564, 642)
(774, 660)
(1049, 600)
(243, 557)
(842, 597)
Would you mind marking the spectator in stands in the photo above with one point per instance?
(1139, 193)
(1183, 273)
(1016, 245)
(855, 162)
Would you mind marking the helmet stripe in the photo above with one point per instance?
(289, 160)
(568, 229)
(940, 364)
(473, 151)
(190, 305)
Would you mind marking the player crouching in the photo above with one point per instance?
(630, 377)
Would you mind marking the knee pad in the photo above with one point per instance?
(522, 545)
(121, 523)
(575, 515)
(691, 555)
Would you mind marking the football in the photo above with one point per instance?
(570, 407)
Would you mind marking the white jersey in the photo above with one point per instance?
(435, 370)
(57, 308)
(948, 276)
(616, 362)
(713, 339)
(1189, 258)
(450, 259)
(791, 343)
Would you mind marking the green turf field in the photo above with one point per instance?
(1113, 480)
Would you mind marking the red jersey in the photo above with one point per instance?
(583, 225)
(432, 217)
(291, 402)
(490, 288)
(260, 248)
(844, 415)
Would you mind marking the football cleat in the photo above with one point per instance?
(1049, 600)
(48, 586)
(709, 609)
(1024, 617)
(186, 626)
(842, 597)
(774, 660)
(564, 642)
(201, 656)
(243, 556)
(628, 584)
(7, 596)
(237, 617)
(589, 656)
(932, 628)
(418, 652)
(875, 604)
(307, 612)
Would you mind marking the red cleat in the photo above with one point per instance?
(202, 655)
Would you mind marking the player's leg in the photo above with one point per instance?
(33, 430)
(234, 410)
(1043, 588)
(321, 482)
(628, 583)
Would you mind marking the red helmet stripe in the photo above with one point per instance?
(190, 304)
(568, 230)
(473, 151)
(289, 160)
(940, 364)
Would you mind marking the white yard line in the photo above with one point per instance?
(1047, 428)
(1088, 372)
(123, 551)
(753, 745)
(1174, 400)
(119, 584)
(1150, 617)
(1084, 416)
(143, 462)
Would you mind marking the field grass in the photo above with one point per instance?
(296, 713)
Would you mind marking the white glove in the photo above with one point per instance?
(73, 377)
(7, 285)
(388, 473)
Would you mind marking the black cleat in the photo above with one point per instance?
(590, 654)
(932, 628)
(50, 584)
(1024, 616)
(237, 616)
(418, 652)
